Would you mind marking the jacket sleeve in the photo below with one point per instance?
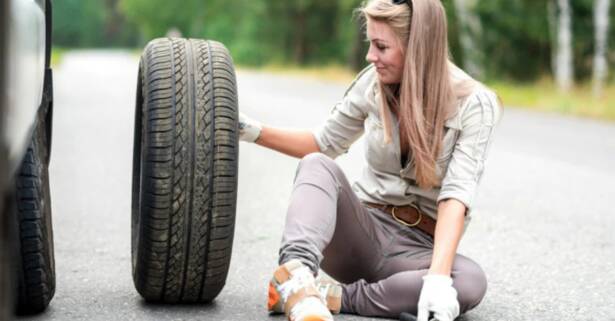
(478, 120)
(345, 123)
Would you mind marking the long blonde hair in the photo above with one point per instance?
(427, 94)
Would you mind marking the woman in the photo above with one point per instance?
(391, 238)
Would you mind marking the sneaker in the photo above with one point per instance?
(292, 290)
(331, 291)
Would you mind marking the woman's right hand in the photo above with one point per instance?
(249, 129)
(438, 296)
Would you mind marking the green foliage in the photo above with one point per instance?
(518, 42)
(155, 17)
(583, 46)
(90, 23)
(516, 36)
(77, 23)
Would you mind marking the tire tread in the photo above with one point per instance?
(189, 139)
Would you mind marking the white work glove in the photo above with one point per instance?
(249, 129)
(438, 296)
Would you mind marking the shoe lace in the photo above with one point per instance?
(300, 279)
(323, 289)
(311, 305)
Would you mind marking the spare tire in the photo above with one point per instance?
(184, 170)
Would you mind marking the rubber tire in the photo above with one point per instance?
(35, 267)
(185, 166)
(6, 290)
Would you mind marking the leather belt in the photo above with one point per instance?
(408, 216)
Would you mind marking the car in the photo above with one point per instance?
(27, 268)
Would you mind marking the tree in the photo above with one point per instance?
(561, 21)
(155, 17)
(302, 32)
(470, 30)
(78, 23)
(351, 38)
(117, 32)
(312, 28)
(601, 26)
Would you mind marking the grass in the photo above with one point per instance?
(540, 95)
(334, 73)
(543, 95)
(56, 56)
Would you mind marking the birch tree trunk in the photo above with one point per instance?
(552, 19)
(601, 28)
(564, 72)
(470, 32)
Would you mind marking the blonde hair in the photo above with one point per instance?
(428, 92)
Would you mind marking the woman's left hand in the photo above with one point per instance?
(438, 296)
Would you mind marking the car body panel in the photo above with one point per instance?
(3, 146)
(24, 72)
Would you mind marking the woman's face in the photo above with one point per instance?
(385, 52)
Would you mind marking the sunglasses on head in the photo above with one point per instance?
(409, 2)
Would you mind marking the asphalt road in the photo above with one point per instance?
(543, 227)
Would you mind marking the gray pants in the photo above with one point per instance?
(379, 262)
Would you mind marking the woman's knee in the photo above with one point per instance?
(316, 158)
(319, 160)
(470, 282)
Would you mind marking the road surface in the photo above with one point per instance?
(543, 228)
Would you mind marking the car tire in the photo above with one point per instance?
(35, 266)
(185, 163)
(5, 283)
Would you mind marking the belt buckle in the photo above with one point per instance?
(400, 221)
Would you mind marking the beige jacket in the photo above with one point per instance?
(467, 139)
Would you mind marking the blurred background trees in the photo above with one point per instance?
(511, 40)
(601, 28)
(100, 23)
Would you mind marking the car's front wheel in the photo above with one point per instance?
(34, 264)
(5, 284)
